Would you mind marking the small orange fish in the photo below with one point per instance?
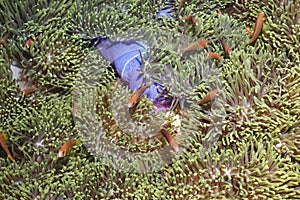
(181, 3)
(135, 97)
(66, 148)
(258, 27)
(3, 139)
(5, 39)
(170, 140)
(28, 91)
(191, 19)
(214, 56)
(248, 29)
(225, 46)
(29, 42)
(199, 45)
(210, 96)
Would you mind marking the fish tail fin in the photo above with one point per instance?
(10, 157)
(77, 142)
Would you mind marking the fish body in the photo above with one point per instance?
(181, 3)
(248, 29)
(225, 47)
(170, 140)
(258, 27)
(3, 139)
(66, 148)
(210, 96)
(135, 97)
(5, 39)
(214, 56)
(28, 91)
(28, 43)
(191, 19)
(199, 45)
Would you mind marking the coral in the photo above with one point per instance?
(243, 144)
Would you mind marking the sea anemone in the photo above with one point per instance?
(243, 144)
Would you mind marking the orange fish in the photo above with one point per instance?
(192, 19)
(66, 148)
(225, 46)
(3, 139)
(170, 140)
(28, 91)
(214, 56)
(181, 3)
(29, 42)
(211, 95)
(199, 45)
(258, 27)
(135, 97)
(5, 39)
(248, 29)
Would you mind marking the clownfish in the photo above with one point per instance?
(211, 95)
(135, 97)
(258, 27)
(214, 56)
(3, 138)
(248, 29)
(28, 91)
(181, 3)
(225, 46)
(191, 19)
(170, 140)
(29, 42)
(199, 45)
(66, 147)
(5, 39)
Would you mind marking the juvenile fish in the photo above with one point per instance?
(28, 91)
(170, 140)
(66, 148)
(225, 46)
(199, 45)
(213, 55)
(210, 96)
(248, 29)
(5, 39)
(135, 97)
(191, 19)
(3, 139)
(181, 3)
(28, 43)
(258, 27)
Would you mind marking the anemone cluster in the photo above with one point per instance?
(244, 144)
